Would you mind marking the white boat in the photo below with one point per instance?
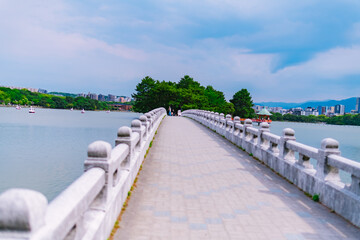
(18, 107)
(83, 111)
(108, 111)
(31, 110)
(71, 109)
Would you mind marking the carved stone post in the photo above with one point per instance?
(264, 127)
(284, 153)
(150, 121)
(144, 122)
(138, 128)
(22, 212)
(99, 155)
(324, 171)
(124, 135)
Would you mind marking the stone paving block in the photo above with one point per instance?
(196, 185)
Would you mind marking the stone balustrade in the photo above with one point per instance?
(89, 207)
(291, 160)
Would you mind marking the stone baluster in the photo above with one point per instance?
(247, 124)
(246, 137)
(285, 153)
(262, 143)
(150, 121)
(228, 118)
(99, 155)
(325, 171)
(22, 213)
(144, 122)
(216, 122)
(125, 135)
(212, 120)
(236, 131)
(137, 127)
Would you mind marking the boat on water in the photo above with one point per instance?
(83, 111)
(31, 110)
(18, 107)
(71, 109)
(108, 111)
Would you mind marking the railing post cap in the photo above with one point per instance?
(288, 132)
(248, 121)
(124, 131)
(228, 116)
(329, 144)
(221, 114)
(216, 113)
(136, 123)
(236, 118)
(264, 125)
(143, 118)
(99, 149)
(148, 115)
(22, 210)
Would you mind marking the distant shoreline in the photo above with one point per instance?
(34, 106)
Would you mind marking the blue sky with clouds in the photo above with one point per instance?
(281, 50)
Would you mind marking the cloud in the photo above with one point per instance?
(229, 44)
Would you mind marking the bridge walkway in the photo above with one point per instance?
(196, 185)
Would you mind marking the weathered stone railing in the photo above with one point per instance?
(89, 207)
(292, 160)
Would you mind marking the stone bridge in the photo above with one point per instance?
(212, 178)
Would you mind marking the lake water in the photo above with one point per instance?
(46, 151)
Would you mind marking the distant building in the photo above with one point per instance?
(357, 107)
(275, 109)
(111, 98)
(81, 95)
(42, 90)
(297, 111)
(323, 110)
(93, 96)
(311, 111)
(339, 109)
(102, 98)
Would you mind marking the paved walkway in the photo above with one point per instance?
(196, 185)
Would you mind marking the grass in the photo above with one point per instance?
(316, 198)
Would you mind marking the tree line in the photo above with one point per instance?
(189, 94)
(25, 97)
(347, 119)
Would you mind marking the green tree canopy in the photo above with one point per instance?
(186, 94)
(243, 104)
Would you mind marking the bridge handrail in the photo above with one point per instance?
(62, 214)
(271, 137)
(279, 153)
(89, 207)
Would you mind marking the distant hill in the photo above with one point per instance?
(349, 104)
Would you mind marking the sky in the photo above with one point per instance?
(280, 50)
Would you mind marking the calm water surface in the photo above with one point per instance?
(45, 151)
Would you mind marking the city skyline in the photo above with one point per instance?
(279, 50)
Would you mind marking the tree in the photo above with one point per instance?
(243, 104)
(186, 94)
(143, 96)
